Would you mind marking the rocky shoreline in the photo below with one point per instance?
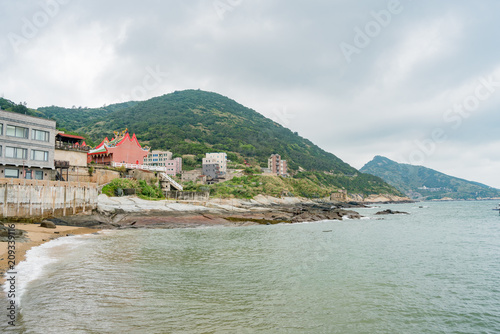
(125, 213)
(132, 212)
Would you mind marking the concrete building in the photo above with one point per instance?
(277, 166)
(26, 146)
(217, 158)
(173, 166)
(211, 170)
(70, 157)
(164, 159)
(194, 175)
(157, 158)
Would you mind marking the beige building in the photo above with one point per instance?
(217, 158)
(277, 166)
(70, 157)
(193, 175)
(157, 158)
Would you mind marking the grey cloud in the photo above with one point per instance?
(275, 53)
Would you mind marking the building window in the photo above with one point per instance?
(1, 150)
(1, 129)
(39, 174)
(16, 152)
(17, 131)
(28, 175)
(40, 135)
(11, 173)
(39, 155)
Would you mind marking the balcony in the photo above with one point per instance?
(61, 164)
(71, 147)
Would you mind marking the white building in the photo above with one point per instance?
(217, 158)
(164, 159)
(157, 158)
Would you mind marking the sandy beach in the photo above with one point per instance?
(36, 236)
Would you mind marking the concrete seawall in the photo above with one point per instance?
(38, 199)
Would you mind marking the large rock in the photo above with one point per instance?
(47, 224)
(390, 212)
(4, 234)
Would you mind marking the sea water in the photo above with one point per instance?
(436, 270)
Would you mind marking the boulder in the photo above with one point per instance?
(4, 234)
(390, 212)
(47, 224)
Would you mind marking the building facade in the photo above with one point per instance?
(277, 166)
(157, 158)
(164, 159)
(70, 157)
(174, 166)
(26, 146)
(122, 148)
(217, 158)
(211, 170)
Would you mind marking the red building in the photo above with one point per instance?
(122, 148)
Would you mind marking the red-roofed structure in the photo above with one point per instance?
(64, 135)
(121, 149)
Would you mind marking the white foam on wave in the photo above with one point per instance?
(38, 259)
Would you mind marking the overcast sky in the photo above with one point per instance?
(415, 81)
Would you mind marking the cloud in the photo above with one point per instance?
(272, 56)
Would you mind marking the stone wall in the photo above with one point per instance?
(37, 199)
(76, 158)
(188, 195)
(100, 175)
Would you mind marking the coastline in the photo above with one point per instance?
(132, 212)
(36, 236)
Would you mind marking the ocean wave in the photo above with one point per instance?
(38, 258)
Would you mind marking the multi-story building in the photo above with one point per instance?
(157, 158)
(173, 166)
(70, 157)
(164, 159)
(277, 166)
(217, 158)
(211, 170)
(26, 146)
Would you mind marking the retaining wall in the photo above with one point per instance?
(188, 195)
(39, 199)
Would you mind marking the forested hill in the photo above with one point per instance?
(196, 122)
(426, 183)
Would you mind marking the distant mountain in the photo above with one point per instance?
(425, 183)
(196, 122)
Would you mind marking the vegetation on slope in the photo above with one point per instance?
(409, 179)
(309, 185)
(252, 185)
(195, 122)
(142, 188)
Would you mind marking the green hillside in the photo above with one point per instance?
(426, 183)
(196, 122)
(75, 118)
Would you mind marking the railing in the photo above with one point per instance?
(137, 166)
(71, 147)
(172, 182)
(152, 168)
